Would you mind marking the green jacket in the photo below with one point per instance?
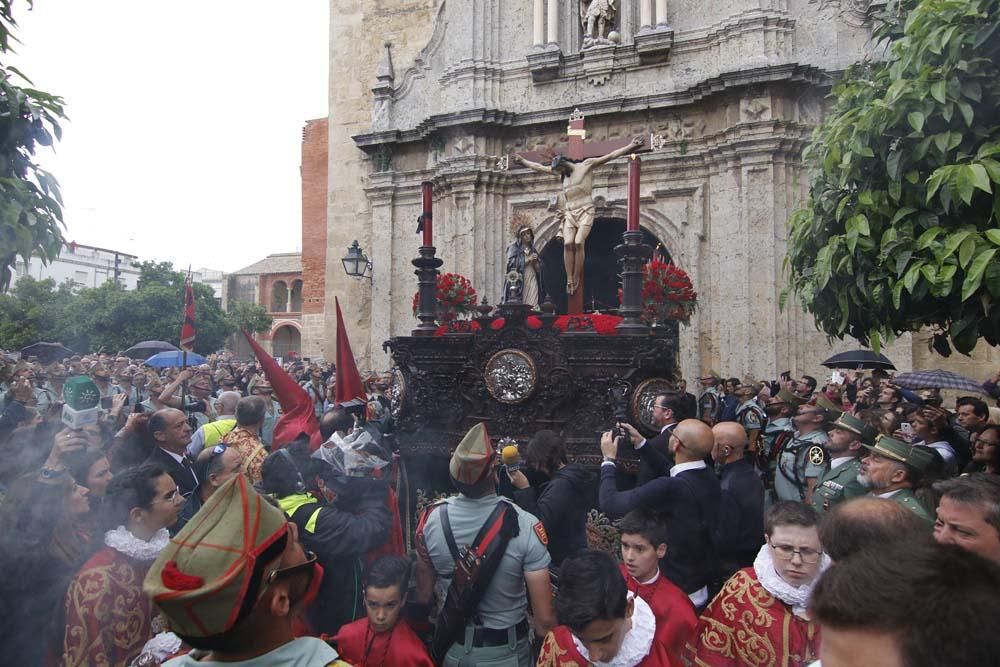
(837, 485)
(906, 498)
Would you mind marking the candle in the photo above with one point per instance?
(633, 194)
(427, 201)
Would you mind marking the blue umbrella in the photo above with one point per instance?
(174, 358)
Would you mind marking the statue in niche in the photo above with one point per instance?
(523, 282)
(598, 17)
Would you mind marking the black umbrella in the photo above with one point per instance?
(148, 348)
(859, 359)
(46, 353)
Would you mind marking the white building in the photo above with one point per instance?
(212, 278)
(84, 265)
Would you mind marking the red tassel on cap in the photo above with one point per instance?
(176, 580)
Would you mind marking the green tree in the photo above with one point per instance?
(246, 316)
(107, 316)
(30, 203)
(900, 229)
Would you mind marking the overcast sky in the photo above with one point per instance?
(186, 120)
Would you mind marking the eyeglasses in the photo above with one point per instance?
(301, 568)
(172, 496)
(661, 407)
(787, 552)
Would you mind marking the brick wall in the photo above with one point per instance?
(314, 185)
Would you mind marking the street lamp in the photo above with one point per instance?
(356, 264)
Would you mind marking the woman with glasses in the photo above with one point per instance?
(761, 615)
(108, 617)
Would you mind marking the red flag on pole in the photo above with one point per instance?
(299, 414)
(350, 391)
(187, 329)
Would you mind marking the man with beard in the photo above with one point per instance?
(844, 446)
(892, 469)
(802, 459)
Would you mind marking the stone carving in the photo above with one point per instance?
(598, 17)
(754, 109)
(576, 204)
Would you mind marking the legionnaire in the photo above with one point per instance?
(832, 409)
(802, 458)
(710, 401)
(844, 446)
(779, 411)
(496, 632)
(750, 414)
(892, 469)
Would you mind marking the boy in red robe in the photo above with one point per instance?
(602, 624)
(644, 543)
(382, 638)
(761, 616)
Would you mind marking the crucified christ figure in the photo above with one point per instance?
(576, 204)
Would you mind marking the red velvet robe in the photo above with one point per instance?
(108, 617)
(401, 646)
(559, 650)
(675, 615)
(747, 626)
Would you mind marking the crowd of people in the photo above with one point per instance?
(158, 517)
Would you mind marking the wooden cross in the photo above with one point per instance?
(578, 149)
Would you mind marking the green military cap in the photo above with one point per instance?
(472, 457)
(790, 398)
(209, 576)
(823, 402)
(858, 427)
(917, 458)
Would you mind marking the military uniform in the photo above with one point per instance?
(840, 481)
(906, 498)
(709, 405)
(498, 634)
(838, 484)
(917, 458)
(802, 456)
(753, 419)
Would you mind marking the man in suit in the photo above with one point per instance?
(171, 434)
(688, 401)
(657, 460)
(690, 498)
(845, 446)
(740, 530)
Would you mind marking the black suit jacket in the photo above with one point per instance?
(185, 479)
(690, 502)
(654, 457)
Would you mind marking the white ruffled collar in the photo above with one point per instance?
(796, 597)
(638, 640)
(124, 542)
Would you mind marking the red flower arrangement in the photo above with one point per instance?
(667, 293)
(455, 296)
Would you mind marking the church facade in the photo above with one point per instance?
(727, 92)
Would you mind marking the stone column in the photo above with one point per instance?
(539, 23)
(645, 13)
(552, 34)
(661, 12)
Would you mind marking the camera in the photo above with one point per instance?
(194, 406)
(618, 431)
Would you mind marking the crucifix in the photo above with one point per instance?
(575, 202)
